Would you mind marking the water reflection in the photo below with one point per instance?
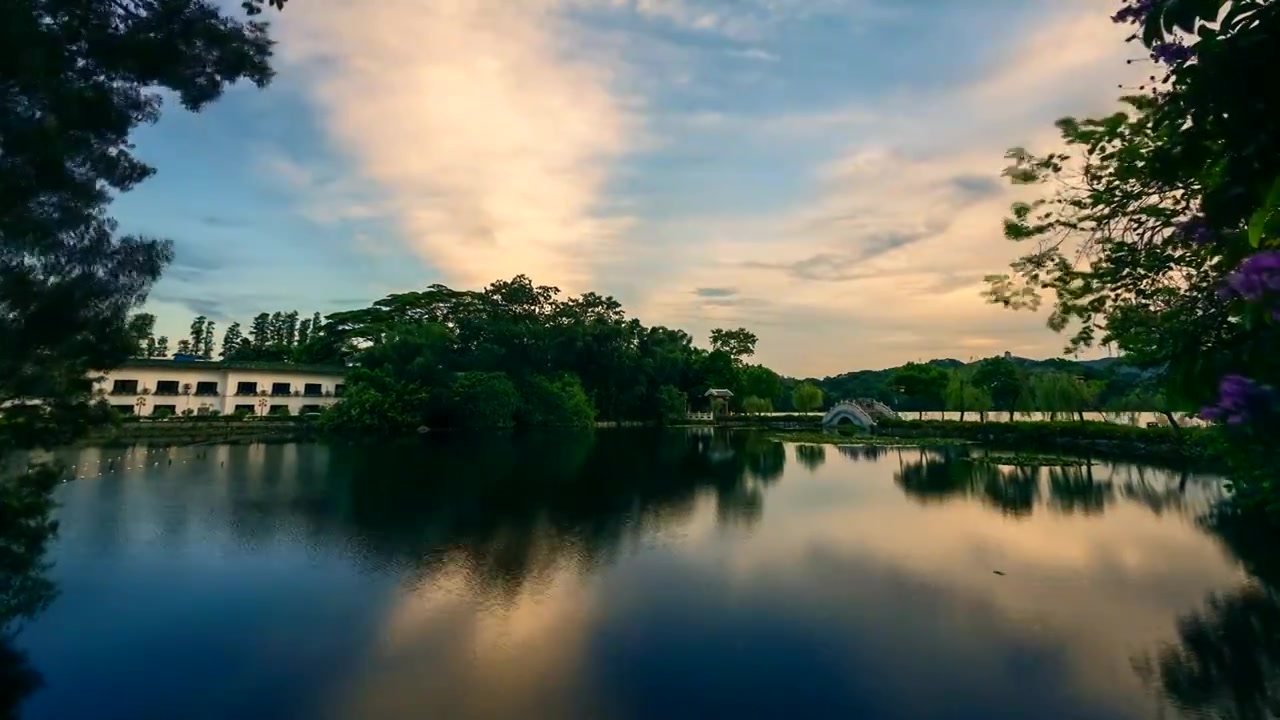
(943, 474)
(811, 456)
(616, 575)
(1225, 659)
(938, 475)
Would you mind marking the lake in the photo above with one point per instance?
(638, 574)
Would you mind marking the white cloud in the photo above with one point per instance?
(885, 264)
(755, 54)
(490, 141)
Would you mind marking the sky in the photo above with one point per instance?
(825, 173)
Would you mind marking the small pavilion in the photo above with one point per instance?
(719, 398)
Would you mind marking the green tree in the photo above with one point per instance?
(304, 331)
(232, 341)
(806, 397)
(673, 406)
(1060, 394)
(559, 402)
(198, 327)
(1002, 381)
(289, 325)
(963, 396)
(184, 347)
(277, 331)
(207, 340)
(1163, 236)
(737, 344)
(924, 385)
(376, 407)
(260, 334)
(484, 400)
(527, 331)
(141, 335)
(761, 382)
(77, 78)
(756, 405)
(162, 346)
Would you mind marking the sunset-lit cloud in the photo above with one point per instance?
(831, 167)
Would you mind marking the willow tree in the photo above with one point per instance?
(963, 395)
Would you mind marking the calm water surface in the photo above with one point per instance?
(642, 575)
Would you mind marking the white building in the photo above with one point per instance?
(164, 387)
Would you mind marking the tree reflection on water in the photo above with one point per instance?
(947, 474)
(811, 456)
(1225, 662)
(510, 509)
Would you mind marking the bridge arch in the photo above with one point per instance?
(848, 412)
(863, 413)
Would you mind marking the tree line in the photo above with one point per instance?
(516, 353)
(1006, 385)
(272, 337)
(580, 332)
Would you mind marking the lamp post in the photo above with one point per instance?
(262, 406)
(138, 405)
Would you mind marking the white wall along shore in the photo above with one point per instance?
(169, 387)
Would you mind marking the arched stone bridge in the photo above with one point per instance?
(862, 412)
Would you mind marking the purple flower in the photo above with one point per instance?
(1240, 400)
(1170, 53)
(1195, 229)
(1258, 275)
(1135, 11)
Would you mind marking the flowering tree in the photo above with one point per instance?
(1163, 234)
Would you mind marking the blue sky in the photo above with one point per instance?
(824, 172)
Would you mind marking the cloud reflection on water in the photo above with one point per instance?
(636, 575)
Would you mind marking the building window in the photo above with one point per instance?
(122, 409)
(124, 387)
(312, 389)
(281, 389)
(166, 387)
(309, 409)
(164, 410)
(339, 389)
(278, 410)
(244, 410)
(206, 388)
(246, 388)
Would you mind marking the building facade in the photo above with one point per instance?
(157, 388)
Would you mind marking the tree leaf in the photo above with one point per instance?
(1258, 221)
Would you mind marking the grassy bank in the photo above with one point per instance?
(812, 437)
(1198, 446)
(186, 431)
